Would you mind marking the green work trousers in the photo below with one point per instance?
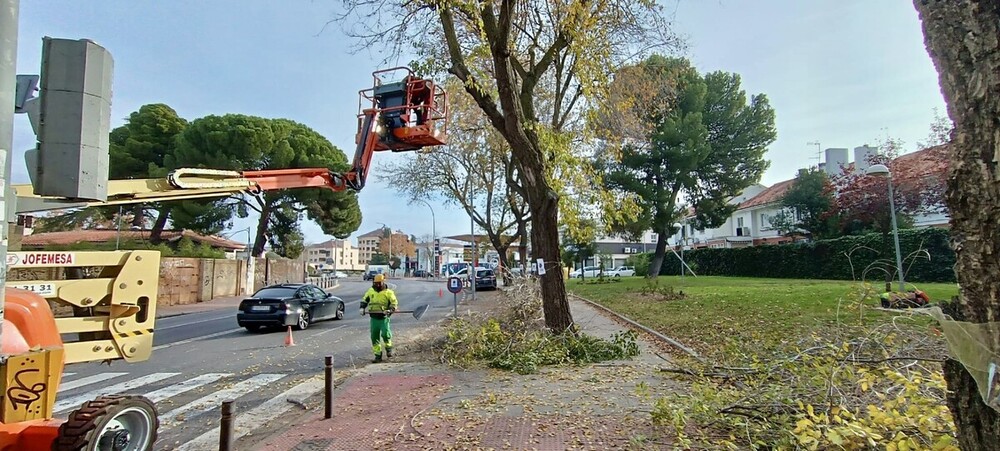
(380, 332)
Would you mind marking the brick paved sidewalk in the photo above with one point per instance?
(424, 406)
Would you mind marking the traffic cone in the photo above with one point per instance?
(440, 292)
(289, 341)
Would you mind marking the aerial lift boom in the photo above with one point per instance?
(403, 116)
(114, 309)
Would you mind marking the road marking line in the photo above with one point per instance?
(87, 380)
(328, 330)
(184, 386)
(68, 374)
(193, 322)
(213, 400)
(257, 417)
(75, 401)
(203, 337)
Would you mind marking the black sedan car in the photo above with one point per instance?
(289, 304)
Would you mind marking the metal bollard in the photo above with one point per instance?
(329, 387)
(226, 427)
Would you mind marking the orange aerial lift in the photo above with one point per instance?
(114, 312)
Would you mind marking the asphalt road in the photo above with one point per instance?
(201, 359)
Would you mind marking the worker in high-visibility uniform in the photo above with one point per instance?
(381, 302)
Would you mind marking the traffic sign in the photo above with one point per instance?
(455, 285)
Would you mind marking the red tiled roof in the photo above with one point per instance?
(932, 161)
(768, 196)
(925, 162)
(103, 236)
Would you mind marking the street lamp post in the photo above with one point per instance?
(881, 170)
(434, 260)
(390, 244)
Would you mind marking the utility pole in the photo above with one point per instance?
(8, 83)
(434, 256)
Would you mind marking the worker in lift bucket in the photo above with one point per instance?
(380, 302)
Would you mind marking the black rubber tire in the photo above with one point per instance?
(303, 322)
(340, 311)
(79, 432)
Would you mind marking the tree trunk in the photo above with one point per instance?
(658, 256)
(961, 37)
(161, 222)
(138, 216)
(545, 245)
(260, 240)
(522, 247)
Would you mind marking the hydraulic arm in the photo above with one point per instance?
(401, 116)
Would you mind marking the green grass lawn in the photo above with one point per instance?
(722, 315)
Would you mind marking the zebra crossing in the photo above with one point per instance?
(181, 398)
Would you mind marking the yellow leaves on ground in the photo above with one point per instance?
(912, 418)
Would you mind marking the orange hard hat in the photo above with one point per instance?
(379, 278)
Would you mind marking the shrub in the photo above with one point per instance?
(515, 340)
(928, 257)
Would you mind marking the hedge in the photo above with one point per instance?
(828, 259)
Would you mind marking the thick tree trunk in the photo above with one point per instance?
(962, 38)
(658, 256)
(260, 239)
(161, 222)
(545, 245)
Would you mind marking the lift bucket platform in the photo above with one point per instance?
(411, 112)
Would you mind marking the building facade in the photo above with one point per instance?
(368, 245)
(332, 256)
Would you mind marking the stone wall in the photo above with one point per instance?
(176, 277)
(191, 280)
(272, 271)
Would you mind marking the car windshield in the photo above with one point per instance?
(275, 292)
(484, 273)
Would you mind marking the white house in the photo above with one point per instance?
(750, 224)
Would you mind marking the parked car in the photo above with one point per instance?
(340, 275)
(289, 304)
(621, 271)
(588, 271)
(370, 274)
(421, 273)
(485, 279)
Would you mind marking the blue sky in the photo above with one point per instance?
(841, 72)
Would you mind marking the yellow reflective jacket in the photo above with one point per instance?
(380, 301)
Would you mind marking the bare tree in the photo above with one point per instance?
(530, 66)
(474, 171)
(961, 38)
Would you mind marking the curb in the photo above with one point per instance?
(652, 332)
(333, 287)
(171, 315)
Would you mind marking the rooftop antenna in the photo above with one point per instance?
(819, 153)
